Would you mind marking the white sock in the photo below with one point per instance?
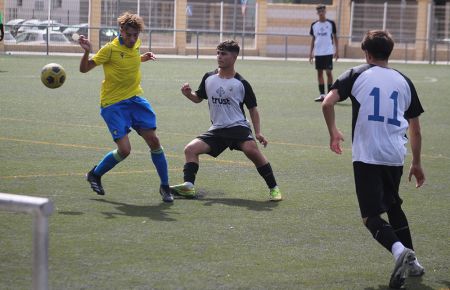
(397, 249)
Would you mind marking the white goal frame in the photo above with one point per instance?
(41, 208)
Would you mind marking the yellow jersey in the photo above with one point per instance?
(121, 66)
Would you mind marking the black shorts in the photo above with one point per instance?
(221, 139)
(376, 187)
(324, 62)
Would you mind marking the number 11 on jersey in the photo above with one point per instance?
(376, 108)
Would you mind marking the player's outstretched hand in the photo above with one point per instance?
(148, 56)
(418, 173)
(262, 139)
(335, 142)
(84, 43)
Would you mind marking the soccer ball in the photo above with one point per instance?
(53, 75)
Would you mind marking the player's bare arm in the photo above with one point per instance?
(86, 64)
(148, 56)
(336, 46)
(187, 92)
(254, 115)
(336, 137)
(415, 138)
(311, 56)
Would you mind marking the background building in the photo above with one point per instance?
(421, 28)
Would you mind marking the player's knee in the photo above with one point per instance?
(124, 152)
(256, 157)
(150, 138)
(252, 152)
(248, 147)
(375, 223)
(189, 150)
(372, 221)
(153, 142)
(395, 209)
(397, 217)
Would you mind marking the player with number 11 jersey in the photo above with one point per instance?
(383, 99)
(385, 106)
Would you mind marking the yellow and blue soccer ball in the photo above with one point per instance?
(53, 75)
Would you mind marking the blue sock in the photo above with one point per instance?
(160, 161)
(108, 162)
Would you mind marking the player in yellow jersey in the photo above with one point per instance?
(122, 106)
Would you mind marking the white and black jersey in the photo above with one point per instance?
(323, 37)
(382, 100)
(226, 99)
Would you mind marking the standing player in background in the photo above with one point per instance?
(226, 92)
(122, 107)
(2, 31)
(385, 104)
(324, 44)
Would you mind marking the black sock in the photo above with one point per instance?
(266, 172)
(329, 87)
(382, 232)
(399, 222)
(190, 170)
(322, 89)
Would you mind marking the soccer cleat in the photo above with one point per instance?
(184, 189)
(167, 196)
(275, 194)
(95, 182)
(416, 270)
(401, 269)
(320, 98)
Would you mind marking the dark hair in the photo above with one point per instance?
(378, 43)
(229, 45)
(320, 7)
(128, 19)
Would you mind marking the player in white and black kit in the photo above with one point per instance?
(324, 44)
(227, 92)
(385, 104)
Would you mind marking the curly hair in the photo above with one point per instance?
(229, 45)
(128, 19)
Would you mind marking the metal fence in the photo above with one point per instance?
(209, 22)
(399, 19)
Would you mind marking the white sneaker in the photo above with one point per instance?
(185, 189)
(320, 98)
(401, 269)
(415, 269)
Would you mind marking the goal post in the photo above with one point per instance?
(40, 208)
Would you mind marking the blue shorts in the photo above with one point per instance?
(135, 112)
